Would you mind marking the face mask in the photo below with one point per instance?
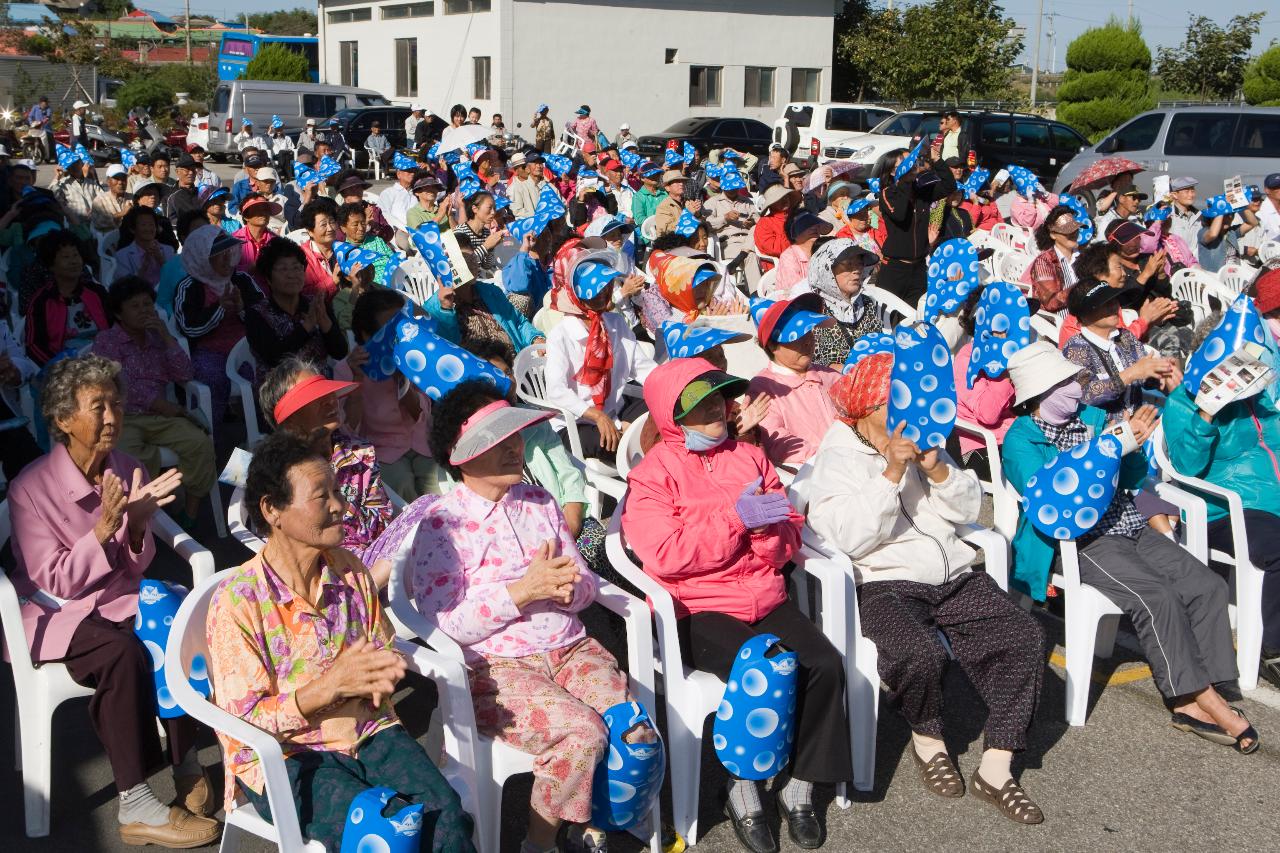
(1273, 323)
(1062, 402)
(700, 442)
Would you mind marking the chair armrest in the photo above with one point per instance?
(612, 487)
(165, 529)
(1235, 506)
(639, 623)
(1195, 517)
(994, 547)
(200, 403)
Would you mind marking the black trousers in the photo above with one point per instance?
(1000, 647)
(633, 408)
(907, 280)
(1263, 531)
(710, 641)
(17, 447)
(109, 657)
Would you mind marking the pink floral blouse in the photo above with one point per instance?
(468, 549)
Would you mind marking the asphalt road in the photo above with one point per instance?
(1125, 782)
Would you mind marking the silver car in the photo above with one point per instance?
(1210, 144)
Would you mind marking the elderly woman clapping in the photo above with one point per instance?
(494, 563)
(80, 518)
(299, 646)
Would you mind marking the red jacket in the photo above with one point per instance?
(680, 518)
(319, 278)
(47, 317)
(771, 236)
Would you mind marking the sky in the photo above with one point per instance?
(1164, 22)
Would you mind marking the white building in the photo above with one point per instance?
(645, 62)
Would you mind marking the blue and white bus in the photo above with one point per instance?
(239, 47)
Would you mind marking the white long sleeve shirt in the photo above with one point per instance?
(566, 351)
(395, 202)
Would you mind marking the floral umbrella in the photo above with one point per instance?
(1103, 171)
(840, 170)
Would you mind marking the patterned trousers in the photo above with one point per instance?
(549, 705)
(1000, 648)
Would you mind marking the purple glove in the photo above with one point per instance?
(761, 510)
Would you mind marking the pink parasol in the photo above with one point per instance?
(1103, 171)
(839, 169)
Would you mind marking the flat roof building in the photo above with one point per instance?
(649, 63)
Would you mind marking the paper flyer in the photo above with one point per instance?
(1240, 375)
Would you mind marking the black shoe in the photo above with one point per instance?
(752, 831)
(802, 824)
(1269, 667)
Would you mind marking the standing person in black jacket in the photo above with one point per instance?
(904, 205)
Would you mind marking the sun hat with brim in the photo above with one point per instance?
(307, 391)
(1184, 183)
(223, 242)
(787, 321)
(212, 194)
(671, 176)
(252, 207)
(803, 223)
(490, 426)
(590, 279)
(355, 182)
(427, 182)
(266, 173)
(1267, 287)
(115, 170)
(1086, 298)
(706, 384)
(686, 341)
(1036, 368)
(775, 193)
(147, 189)
(838, 187)
(1124, 231)
(78, 104)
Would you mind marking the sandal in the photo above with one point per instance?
(1250, 734)
(1211, 732)
(1011, 801)
(939, 775)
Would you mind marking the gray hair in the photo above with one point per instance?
(278, 382)
(60, 397)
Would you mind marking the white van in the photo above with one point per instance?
(806, 129)
(259, 100)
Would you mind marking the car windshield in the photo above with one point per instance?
(902, 124)
(688, 126)
(345, 116)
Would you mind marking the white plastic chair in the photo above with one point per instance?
(1090, 617)
(487, 763)
(1268, 252)
(42, 688)
(765, 284)
(375, 165)
(890, 308)
(1012, 265)
(199, 406)
(414, 280)
(1236, 277)
(649, 229)
(1247, 611)
(1196, 286)
(240, 356)
(298, 235)
(629, 452)
(187, 640)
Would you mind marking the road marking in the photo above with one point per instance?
(1125, 675)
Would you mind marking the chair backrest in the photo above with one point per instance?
(238, 522)
(1012, 266)
(890, 308)
(1237, 278)
(414, 280)
(1269, 251)
(187, 642)
(15, 636)
(1049, 328)
(240, 355)
(298, 235)
(629, 452)
(765, 284)
(531, 378)
(649, 229)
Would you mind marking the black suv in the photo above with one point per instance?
(999, 139)
(355, 123)
(704, 132)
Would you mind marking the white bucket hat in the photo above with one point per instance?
(1036, 368)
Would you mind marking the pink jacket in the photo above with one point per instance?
(383, 423)
(680, 518)
(989, 403)
(53, 509)
(800, 411)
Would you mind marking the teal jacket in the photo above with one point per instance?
(1230, 451)
(1024, 451)
(643, 205)
(518, 328)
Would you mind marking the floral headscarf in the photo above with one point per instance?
(674, 275)
(195, 258)
(822, 279)
(863, 389)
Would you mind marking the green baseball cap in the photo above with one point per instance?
(708, 383)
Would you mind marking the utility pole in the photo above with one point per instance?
(1035, 63)
(187, 5)
(1053, 44)
(1130, 14)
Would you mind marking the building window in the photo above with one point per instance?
(465, 7)
(672, 56)
(806, 84)
(406, 68)
(346, 16)
(704, 86)
(758, 91)
(480, 77)
(408, 10)
(349, 60)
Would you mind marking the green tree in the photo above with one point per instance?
(948, 49)
(145, 92)
(113, 9)
(1108, 79)
(1262, 79)
(295, 22)
(1211, 60)
(277, 62)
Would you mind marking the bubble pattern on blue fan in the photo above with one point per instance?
(908, 163)
(1081, 214)
(403, 162)
(684, 341)
(368, 830)
(1073, 490)
(732, 180)
(557, 163)
(158, 603)
(628, 779)
(951, 277)
(1240, 325)
(867, 346)
(1001, 327)
(687, 224)
(754, 729)
(434, 365)
(671, 159)
(1024, 180)
(430, 245)
(922, 386)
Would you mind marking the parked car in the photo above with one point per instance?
(259, 100)
(998, 138)
(1211, 144)
(707, 132)
(354, 123)
(814, 126)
